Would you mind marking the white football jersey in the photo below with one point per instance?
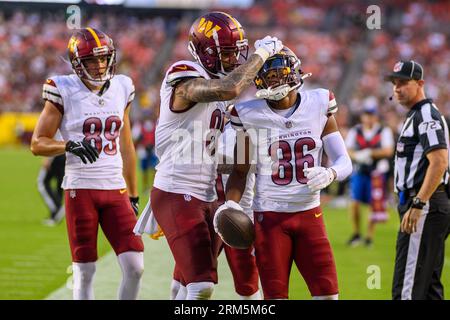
(226, 153)
(98, 119)
(186, 141)
(284, 147)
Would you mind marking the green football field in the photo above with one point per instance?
(35, 259)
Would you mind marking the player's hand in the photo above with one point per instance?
(83, 150)
(364, 156)
(230, 204)
(410, 220)
(268, 46)
(319, 177)
(135, 204)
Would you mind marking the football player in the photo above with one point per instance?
(290, 129)
(193, 100)
(91, 109)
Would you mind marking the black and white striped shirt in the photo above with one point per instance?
(424, 130)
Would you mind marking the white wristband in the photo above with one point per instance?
(263, 53)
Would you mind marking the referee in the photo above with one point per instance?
(421, 178)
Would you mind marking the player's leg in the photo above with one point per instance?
(242, 264)
(46, 191)
(377, 188)
(82, 228)
(187, 226)
(117, 220)
(59, 167)
(178, 289)
(273, 251)
(356, 193)
(313, 255)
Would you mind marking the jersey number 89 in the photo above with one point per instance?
(93, 129)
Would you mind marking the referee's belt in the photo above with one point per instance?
(410, 193)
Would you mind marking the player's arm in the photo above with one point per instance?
(128, 155)
(43, 142)
(334, 147)
(207, 90)
(238, 178)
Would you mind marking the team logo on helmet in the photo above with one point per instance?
(206, 27)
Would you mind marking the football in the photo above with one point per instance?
(236, 229)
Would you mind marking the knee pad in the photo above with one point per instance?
(83, 272)
(132, 264)
(199, 290)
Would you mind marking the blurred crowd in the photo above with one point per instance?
(324, 34)
(420, 32)
(33, 47)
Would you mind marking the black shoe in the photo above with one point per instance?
(368, 242)
(354, 240)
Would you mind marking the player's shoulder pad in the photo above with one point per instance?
(128, 85)
(327, 100)
(184, 69)
(50, 92)
(250, 105)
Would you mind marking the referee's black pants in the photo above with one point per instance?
(420, 256)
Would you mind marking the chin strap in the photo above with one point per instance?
(279, 92)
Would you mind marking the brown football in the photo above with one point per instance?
(236, 229)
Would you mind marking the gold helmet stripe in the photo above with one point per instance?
(237, 24)
(97, 40)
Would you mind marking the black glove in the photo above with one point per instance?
(135, 204)
(83, 150)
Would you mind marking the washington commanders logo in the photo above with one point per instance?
(398, 66)
(73, 42)
(207, 28)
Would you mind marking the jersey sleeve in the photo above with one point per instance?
(131, 93)
(431, 129)
(236, 122)
(332, 104)
(50, 92)
(180, 71)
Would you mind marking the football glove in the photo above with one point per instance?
(318, 177)
(83, 150)
(267, 47)
(230, 204)
(135, 204)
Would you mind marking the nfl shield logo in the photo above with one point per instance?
(398, 66)
(72, 194)
(187, 197)
(288, 124)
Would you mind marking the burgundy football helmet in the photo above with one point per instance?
(91, 43)
(217, 41)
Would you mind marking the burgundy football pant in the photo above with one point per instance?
(282, 238)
